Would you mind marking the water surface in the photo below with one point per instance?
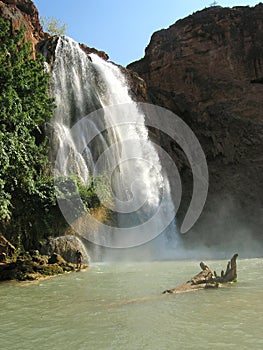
(120, 306)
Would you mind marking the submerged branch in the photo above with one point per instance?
(208, 279)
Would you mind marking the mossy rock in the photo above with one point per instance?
(49, 270)
(56, 259)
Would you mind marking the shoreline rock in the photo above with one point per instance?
(57, 259)
(31, 268)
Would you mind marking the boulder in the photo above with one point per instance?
(56, 259)
(66, 247)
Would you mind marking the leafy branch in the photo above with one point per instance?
(53, 26)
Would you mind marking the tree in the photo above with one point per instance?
(24, 107)
(53, 26)
(214, 3)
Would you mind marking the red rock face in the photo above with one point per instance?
(23, 13)
(89, 50)
(200, 55)
(208, 68)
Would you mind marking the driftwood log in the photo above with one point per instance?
(208, 279)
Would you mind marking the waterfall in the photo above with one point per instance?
(100, 131)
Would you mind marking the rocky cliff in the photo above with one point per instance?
(23, 13)
(208, 68)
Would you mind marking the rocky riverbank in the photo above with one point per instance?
(30, 267)
(58, 256)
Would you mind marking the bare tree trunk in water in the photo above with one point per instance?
(208, 279)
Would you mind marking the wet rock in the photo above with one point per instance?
(56, 259)
(66, 247)
(34, 265)
(37, 258)
(89, 50)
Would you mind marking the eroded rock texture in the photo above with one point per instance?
(23, 13)
(208, 68)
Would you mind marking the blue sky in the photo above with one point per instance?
(122, 28)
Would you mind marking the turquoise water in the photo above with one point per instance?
(120, 306)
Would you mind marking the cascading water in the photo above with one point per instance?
(99, 130)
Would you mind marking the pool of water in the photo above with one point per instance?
(120, 306)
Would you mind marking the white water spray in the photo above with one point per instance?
(83, 84)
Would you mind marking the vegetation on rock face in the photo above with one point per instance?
(28, 206)
(26, 193)
(94, 197)
(32, 266)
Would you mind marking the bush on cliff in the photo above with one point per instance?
(26, 194)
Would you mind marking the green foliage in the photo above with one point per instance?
(53, 26)
(24, 107)
(50, 270)
(96, 192)
(28, 197)
(88, 194)
(84, 196)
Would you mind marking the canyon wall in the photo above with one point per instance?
(208, 69)
(23, 13)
